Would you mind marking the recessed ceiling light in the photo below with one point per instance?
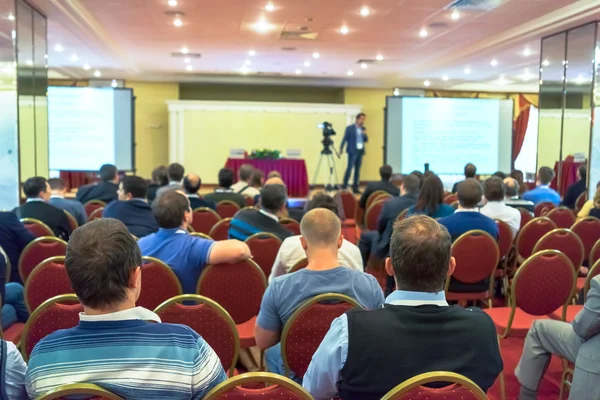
(445, 78)
(527, 52)
(270, 6)
(177, 22)
(172, 3)
(11, 17)
(58, 47)
(262, 26)
(396, 92)
(187, 60)
(344, 30)
(29, 62)
(467, 70)
(526, 75)
(248, 62)
(545, 63)
(86, 67)
(426, 83)
(494, 63)
(185, 50)
(114, 83)
(298, 71)
(252, 53)
(74, 58)
(423, 33)
(316, 55)
(364, 65)
(306, 64)
(455, 14)
(189, 68)
(350, 73)
(379, 57)
(364, 11)
(97, 74)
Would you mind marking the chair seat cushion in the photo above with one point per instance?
(246, 333)
(580, 283)
(571, 313)
(13, 333)
(456, 296)
(349, 222)
(521, 323)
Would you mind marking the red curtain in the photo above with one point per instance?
(520, 126)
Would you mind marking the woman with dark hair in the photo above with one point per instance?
(518, 176)
(159, 179)
(431, 200)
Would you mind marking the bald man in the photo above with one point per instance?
(191, 186)
(512, 195)
(321, 240)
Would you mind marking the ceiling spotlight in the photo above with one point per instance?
(97, 74)
(177, 22)
(467, 70)
(270, 6)
(172, 3)
(185, 50)
(58, 47)
(445, 78)
(114, 83)
(11, 17)
(248, 62)
(423, 33)
(455, 14)
(316, 55)
(74, 58)
(379, 57)
(494, 63)
(298, 71)
(527, 52)
(396, 92)
(344, 30)
(364, 65)
(189, 68)
(426, 83)
(364, 11)
(306, 64)
(350, 73)
(545, 63)
(187, 60)
(252, 53)
(262, 26)
(86, 67)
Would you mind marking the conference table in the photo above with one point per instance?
(293, 172)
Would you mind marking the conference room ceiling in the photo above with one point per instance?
(137, 39)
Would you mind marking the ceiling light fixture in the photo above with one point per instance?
(494, 63)
(185, 50)
(455, 14)
(74, 58)
(350, 73)
(545, 63)
(396, 92)
(445, 78)
(177, 22)
(189, 68)
(344, 30)
(270, 6)
(467, 70)
(527, 52)
(114, 83)
(364, 11)
(379, 57)
(262, 26)
(426, 83)
(298, 71)
(252, 53)
(306, 64)
(86, 67)
(364, 65)
(11, 17)
(423, 33)
(247, 62)
(97, 74)
(58, 47)
(172, 3)
(316, 55)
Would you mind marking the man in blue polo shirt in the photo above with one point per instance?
(543, 192)
(186, 255)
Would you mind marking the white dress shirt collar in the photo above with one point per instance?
(467, 210)
(56, 196)
(34, 199)
(268, 214)
(125, 315)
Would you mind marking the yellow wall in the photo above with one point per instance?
(576, 135)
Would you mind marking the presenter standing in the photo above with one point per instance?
(356, 138)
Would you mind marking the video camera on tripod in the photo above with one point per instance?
(327, 142)
(327, 152)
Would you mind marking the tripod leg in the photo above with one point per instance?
(336, 183)
(317, 172)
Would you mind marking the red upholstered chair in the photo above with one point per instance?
(97, 213)
(563, 217)
(359, 217)
(159, 283)
(201, 235)
(594, 254)
(526, 216)
(460, 388)
(204, 219)
(291, 225)
(299, 265)
(545, 282)
(72, 221)
(529, 235)
(348, 202)
(208, 319)
(80, 391)
(93, 205)
(565, 241)
(37, 251)
(477, 256)
(37, 227)
(60, 312)
(372, 215)
(505, 246)
(572, 310)
(221, 230)
(305, 329)
(227, 208)
(239, 288)
(543, 208)
(450, 198)
(374, 196)
(580, 201)
(49, 279)
(264, 248)
(588, 230)
(279, 388)
(242, 209)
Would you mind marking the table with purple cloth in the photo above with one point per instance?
(293, 172)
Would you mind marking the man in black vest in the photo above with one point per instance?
(365, 354)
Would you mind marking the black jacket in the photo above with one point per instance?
(573, 193)
(104, 191)
(372, 187)
(54, 217)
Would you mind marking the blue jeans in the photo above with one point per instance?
(14, 309)
(275, 362)
(354, 161)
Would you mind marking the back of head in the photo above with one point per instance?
(135, 185)
(101, 258)
(323, 200)
(469, 193)
(582, 170)
(597, 198)
(245, 172)
(512, 187)
(420, 254)
(273, 174)
(273, 197)
(411, 184)
(169, 209)
(385, 172)
(517, 174)
(33, 186)
(108, 172)
(274, 180)
(470, 170)
(499, 174)
(56, 184)
(321, 228)
(431, 195)
(225, 178)
(191, 183)
(545, 175)
(159, 176)
(419, 175)
(175, 172)
(494, 189)
(257, 178)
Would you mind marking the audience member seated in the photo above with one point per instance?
(543, 192)
(13, 302)
(159, 179)
(37, 191)
(499, 174)
(385, 184)
(258, 180)
(291, 250)
(367, 353)
(245, 180)
(224, 191)
(419, 175)
(577, 342)
(13, 239)
(57, 199)
(321, 239)
(191, 186)
(588, 205)
(518, 176)
(273, 201)
(273, 174)
(132, 208)
(118, 346)
(431, 200)
(175, 172)
(12, 382)
(495, 192)
(105, 190)
(577, 188)
(512, 196)
(186, 255)
(470, 172)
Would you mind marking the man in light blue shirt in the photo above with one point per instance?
(543, 192)
(57, 199)
(14, 372)
(321, 239)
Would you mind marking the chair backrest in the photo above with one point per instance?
(204, 219)
(592, 273)
(460, 388)
(80, 391)
(238, 388)
(543, 208)
(264, 248)
(238, 287)
(92, 205)
(305, 329)
(97, 213)
(227, 208)
(563, 217)
(450, 198)
(565, 241)
(72, 221)
(249, 201)
(8, 271)
(201, 235)
(529, 235)
(372, 215)
(402, 215)
(291, 225)
(60, 312)
(477, 256)
(209, 320)
(594, 253)
(581, 199)
(299, 265)
(37, 227)
(505, 238)
(37, 251)
(526, 216)
(243, 209)
(159, 283)
(588, 230)
(349, 203)
(221, 230)
(49, 279)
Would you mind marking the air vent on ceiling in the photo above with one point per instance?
(475, 5)
(368, 61)
(298, 35)
(179, 54)
(288, 49)
(438, 25)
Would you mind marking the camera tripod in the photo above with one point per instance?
(332, 180)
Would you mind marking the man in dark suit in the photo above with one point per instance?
(577, 188)
(224, 191)
(105, 190)
(37, 191)
(191, 185)
(385, 172)
(13, 239)
(57, 199)
(356, 139)
(470, 172)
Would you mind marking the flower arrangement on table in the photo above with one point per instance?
(265, 154)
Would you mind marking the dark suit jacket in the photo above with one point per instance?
(573, 193)
(13, 239)
(385, 225)
(54, 217)
(135, 214)
(104, 191)
(350, 139)
(231, 196)
(197, 202)
(375, 186)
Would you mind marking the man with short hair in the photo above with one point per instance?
(118, 346)
(321, 240)
(57, 199)
(191, 186)
(224, 191)
(543, 192)
(105, 190)
(577, 188)
(495, 192)
(385, 184)
(132, 208)
(356, 139)
(37, 191)
(244, 184)
(366, 353)
(14, 237)
(175, 172)
(470, 172)
(512, 195)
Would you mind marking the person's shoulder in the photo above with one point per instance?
(148, 240)
(475, 317)
(8, 217)
(176, 329)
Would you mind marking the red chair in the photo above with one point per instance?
(376, 195)
(204, 219)
(92, 205)
(545, 282)
(79, 391)
(227, 208)
(477, 256)
(60, 312)
(97, 213)
(572, 310)
(543, 208)
(299, 265)
(588, 230)
(249, 201)
(37, 251)
(159, 283)
(72, 221)
(201, 235)
(239, 288)
(37, 227)
(450, 198)
(565, 241)
(526, 216)
(505, 247)
(580, 201)
(49, 279)
(348, 202)
(221, 230)
(291, 225)
(594, 254)
(305, 329)
(529, 235)
(563, 217)
(460, 388)
(372, 215)
(209, 320)
(264, 248)
(279, 388)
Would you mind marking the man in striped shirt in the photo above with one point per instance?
(118, 346)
